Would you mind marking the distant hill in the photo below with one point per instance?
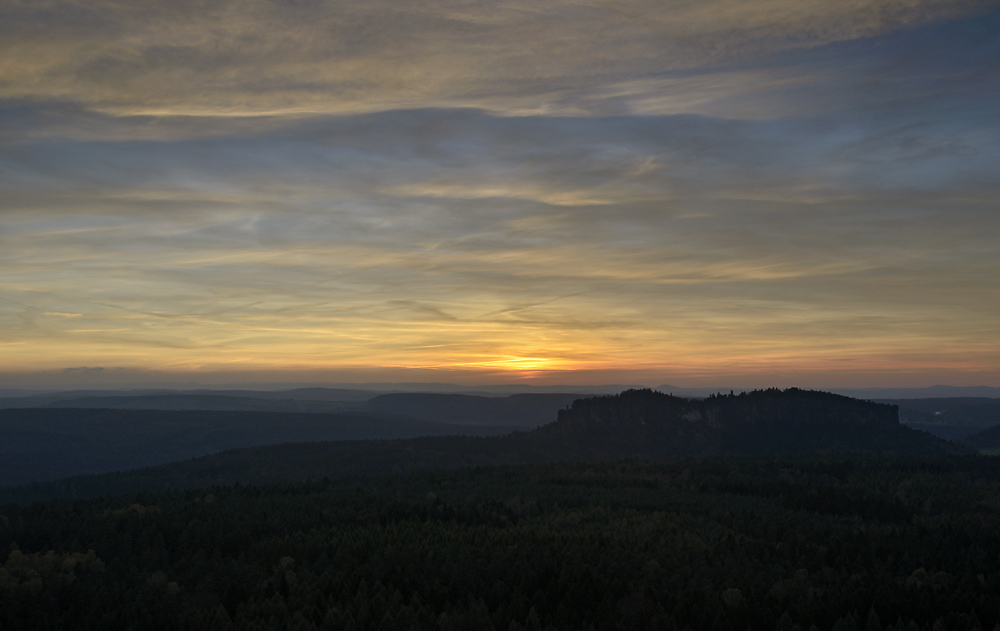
(871, 394)
(652, 424)
(205, 402)
(950, 418)
(188, 399)
(986, 441)
(519, 410)
(931, 392)
(49, 443)
(633, 424)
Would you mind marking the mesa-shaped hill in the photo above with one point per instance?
(645, 423)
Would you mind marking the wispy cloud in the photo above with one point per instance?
(701, 189)
(267, 58)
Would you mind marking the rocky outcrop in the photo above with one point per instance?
(652, 424)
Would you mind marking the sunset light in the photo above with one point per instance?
(702, 193)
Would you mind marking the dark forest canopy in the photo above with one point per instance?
(837, 523)
(832, 543)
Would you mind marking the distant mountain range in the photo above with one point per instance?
(329, 392)
(526, 411)
(863, 393)
(365, 391)
(50, 443)
(517, 410)
(950, 417)
(149, 399)
(632, 424)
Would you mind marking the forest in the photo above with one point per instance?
(764, 510)
(836, 542)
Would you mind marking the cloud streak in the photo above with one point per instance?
(716, 188)
(267, 58)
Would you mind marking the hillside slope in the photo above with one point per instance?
(527, 411)
(50, 443)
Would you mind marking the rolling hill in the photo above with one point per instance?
(49, 443)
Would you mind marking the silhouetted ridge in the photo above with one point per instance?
(653, 424)
(527, 410)
(643, 407)
(633, 424)
(796, 406)
(986, 440)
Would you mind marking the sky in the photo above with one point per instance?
(695, 192)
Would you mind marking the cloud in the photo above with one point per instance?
(269, 58)
(597, 186)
